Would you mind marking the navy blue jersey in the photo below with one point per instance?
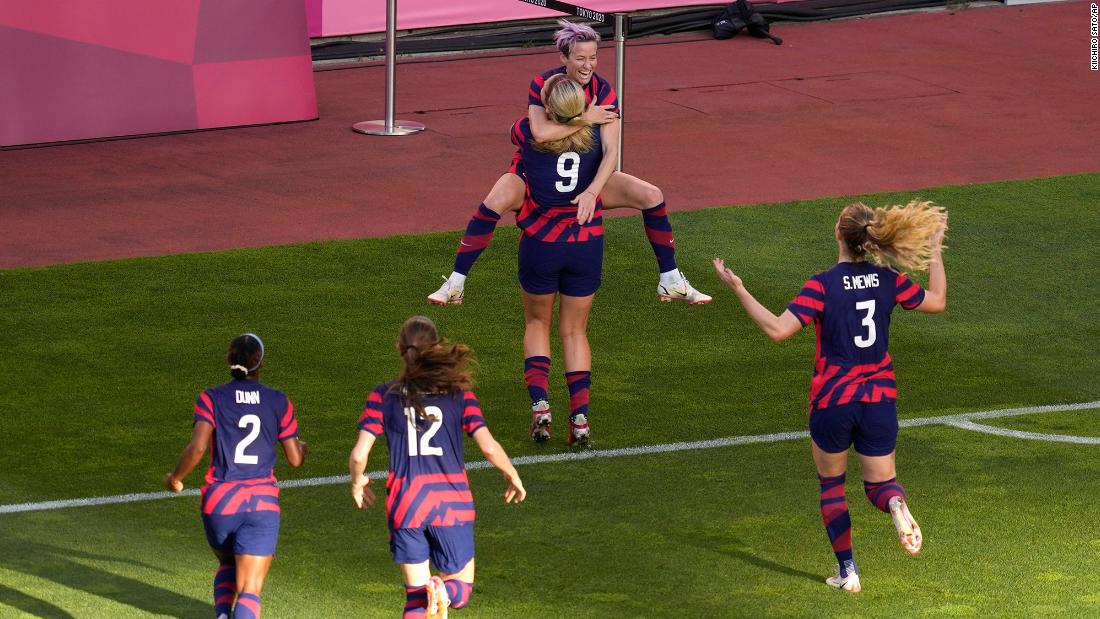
(427, 484)
(850, 306)
(249, 419)
(597, 92)
(553, 181)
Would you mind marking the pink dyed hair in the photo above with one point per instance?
(569, 34)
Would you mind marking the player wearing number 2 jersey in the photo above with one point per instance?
(241, 421)
(424, 414)
(852, 394)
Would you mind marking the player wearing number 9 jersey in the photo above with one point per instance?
(241, 421)
(852, 393)
(424, 414)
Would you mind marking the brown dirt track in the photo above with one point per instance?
(894, 102)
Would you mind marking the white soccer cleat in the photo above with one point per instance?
(908, 531)
(448, 294)
(681, 290)
(579, 433)
(438, 600)
(848, 582)
(540, 421)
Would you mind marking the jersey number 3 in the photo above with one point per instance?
(569, 168)
(425, 448)
(869, 322)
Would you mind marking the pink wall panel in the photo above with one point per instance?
(252, 92)
(340, 17)
(158, 28)
(132, 67)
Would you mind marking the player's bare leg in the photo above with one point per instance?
(573, 327)
(251, 572)
(538, 313)
(884, 492)
(625, 191)
(505, 196)
(421, 592)
(831, 470)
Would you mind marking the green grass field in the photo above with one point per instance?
(104, 360)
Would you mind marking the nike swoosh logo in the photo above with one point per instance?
(465, 243)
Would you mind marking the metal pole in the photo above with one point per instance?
(389, 126)
(622, 23)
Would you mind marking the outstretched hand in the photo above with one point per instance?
(515, 491)
(600, 114)
(936, 242)
(586, 207)
(362, 493)
(727, 276)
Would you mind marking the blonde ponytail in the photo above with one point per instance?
(896, 234)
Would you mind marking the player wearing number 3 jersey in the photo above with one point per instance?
(241, 421)
(852, 394)
(424, 414)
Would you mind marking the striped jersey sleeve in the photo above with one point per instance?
(371, 419)
(534, 92)
(605, 95)
(810, 302)
(907, 293)
(288, 423)
(472, 419)
(204, 409)
(520, 131)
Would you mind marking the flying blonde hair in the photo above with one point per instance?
(897, 234)
(565, 103)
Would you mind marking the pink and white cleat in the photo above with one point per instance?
(908, 531)
(681, 290)
(448, 294)
(579, 433)
(438, 600)
(540, 421)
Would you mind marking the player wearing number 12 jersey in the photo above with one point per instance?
(424, 414)
(852, 394)
(241, 421)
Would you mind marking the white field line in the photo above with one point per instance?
(962, 421)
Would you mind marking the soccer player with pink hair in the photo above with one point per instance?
(241, 421)
(853, 396)
(424, 414)
(577, 45)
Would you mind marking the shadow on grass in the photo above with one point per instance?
(731, 547)
(30, 605)
(61, 565)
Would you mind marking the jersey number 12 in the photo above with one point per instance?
(425, 448)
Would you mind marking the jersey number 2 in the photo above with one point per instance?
(569, 168)
(239, 456)
(426, 448)
(869, 322)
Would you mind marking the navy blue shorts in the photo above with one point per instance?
(871, 426)
(449, 548)
(573, 269)
(247, 533)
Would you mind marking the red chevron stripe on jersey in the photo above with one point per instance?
(225, 498)
(429, 500)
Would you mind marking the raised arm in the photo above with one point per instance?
(586, 201)
(935, 297)
(494, 453)
(357, 465)
(545, 130)
(190, 456)
(778, 328)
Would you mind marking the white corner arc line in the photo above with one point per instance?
(1031, 436)
(961, 420)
